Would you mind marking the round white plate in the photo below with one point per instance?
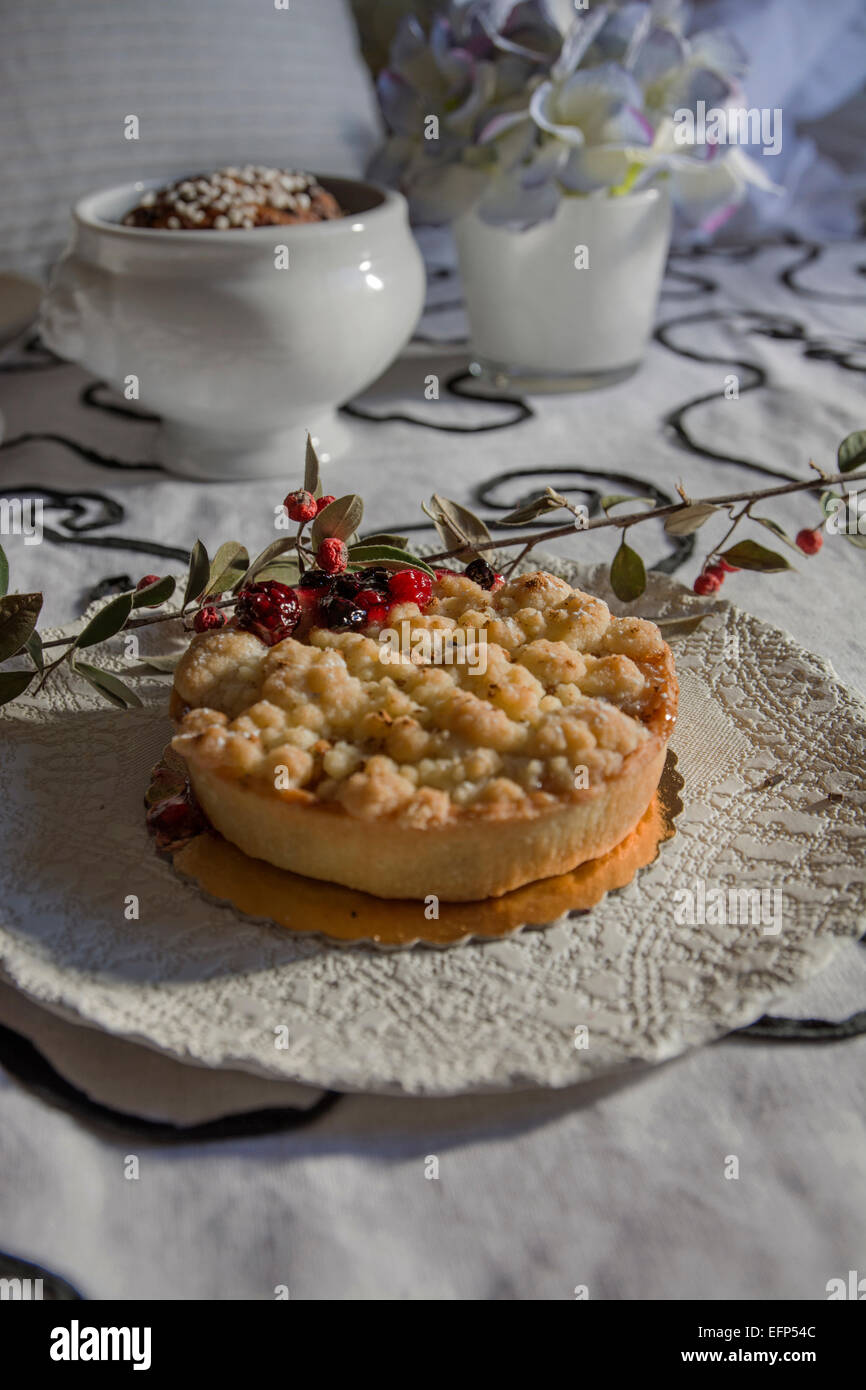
(771, 745)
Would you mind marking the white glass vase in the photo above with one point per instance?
(568, 304)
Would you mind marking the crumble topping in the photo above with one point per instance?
(252, 196)
(567, 686)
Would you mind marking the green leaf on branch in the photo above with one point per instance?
(530, 511)
(158, 663)
(749, 555)
(18, 617)
(228, 565)
(312, 472)
(391, 557)
(4, 573)
(154, 594)
(613, 499)
(13, 684)
(852, 452)
(340, 518)
(627, 574)
(285, 571)
(776, 529)
(109, 686)
(679, 627)
(685, 520)
(199, 573)
(33, 648)
(262, 560)
(829, 503)
(108, 621)
(384, 538)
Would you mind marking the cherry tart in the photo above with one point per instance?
(453, 741)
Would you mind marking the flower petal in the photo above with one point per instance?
(507, 203)
(659, 52)
(594, 167)
(399, 103)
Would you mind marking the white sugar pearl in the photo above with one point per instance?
(222, 224)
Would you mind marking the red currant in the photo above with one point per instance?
(706, 583)
(146, 582)
(174, 820)
(810, 542)
(411, 586)
(300, 505)
(332, 555)
(726, 568)
(207, 619)
(716, 572)
(323, 502)
(271, 610)
(373, 604)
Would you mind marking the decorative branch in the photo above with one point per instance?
(271, 581)
(656, 513)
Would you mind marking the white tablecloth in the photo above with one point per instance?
(618, 1186)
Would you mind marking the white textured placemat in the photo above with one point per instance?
(202, 983)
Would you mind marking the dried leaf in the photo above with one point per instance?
(457, 526)
(312, 472)
(340, 518)
(4, 573)
(749, 555)
(852, 452)
(687, 519)
(108, 621)
(109, 686)
(154, 594)
(18, 616)
(538, 506)
(199, 572)
(627, 574)
(391, 557)
(13, 684)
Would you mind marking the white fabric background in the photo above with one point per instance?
(212, 82)
(618, 1186)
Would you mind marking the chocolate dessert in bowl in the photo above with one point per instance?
(249, 303)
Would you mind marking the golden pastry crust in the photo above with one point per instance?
(314, 753)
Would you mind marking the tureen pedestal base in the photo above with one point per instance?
(218, 455)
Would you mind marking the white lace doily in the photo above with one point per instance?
(199, 981)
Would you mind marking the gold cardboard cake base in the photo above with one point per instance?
(344, 915)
